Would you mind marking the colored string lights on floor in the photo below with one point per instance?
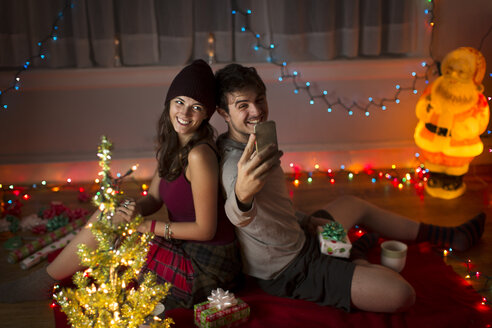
(472, 276)
(307, 87)
(41, 53)
(12, 195)
(398, 178)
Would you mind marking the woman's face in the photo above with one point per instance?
(186, 115)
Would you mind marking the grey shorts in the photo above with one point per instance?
(315, 277)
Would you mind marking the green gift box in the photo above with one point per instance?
(333, 240)
(210, 317)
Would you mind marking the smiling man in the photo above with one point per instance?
(277, 244)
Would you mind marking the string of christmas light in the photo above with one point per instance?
(415, 178)
(472, 275)
(294, 76)
(431, 69)
(42, 53)
(24, 191)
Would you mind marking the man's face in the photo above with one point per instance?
(246, 109)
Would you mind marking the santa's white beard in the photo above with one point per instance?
(457, 93)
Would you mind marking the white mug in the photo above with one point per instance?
(394, 254)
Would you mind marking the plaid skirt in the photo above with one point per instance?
(193, 269)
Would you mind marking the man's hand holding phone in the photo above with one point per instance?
(253, 169)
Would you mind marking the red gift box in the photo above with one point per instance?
(209, 317)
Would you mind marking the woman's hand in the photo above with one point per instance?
(125, 212)
(144, 227)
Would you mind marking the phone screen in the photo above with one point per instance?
(266, 135)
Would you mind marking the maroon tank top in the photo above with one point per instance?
(178, 198)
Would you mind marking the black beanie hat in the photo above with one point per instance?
(195, 81)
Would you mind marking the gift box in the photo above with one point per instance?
(333, 240)
(209, 315)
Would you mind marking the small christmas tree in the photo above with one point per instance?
(104, 296)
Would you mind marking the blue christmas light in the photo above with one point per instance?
(373, 180)
(280, 78)
(243, 29)
(350, 112)
(329, 109)
(383, 107)
(397, 101)
(311, 101)
(296, 91)
(249, 11)
(367, 113)
(397, 87)
(417, 155)
(308, 84)
(370, 99)
(233, 12)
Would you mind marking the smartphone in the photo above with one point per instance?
(266, 135)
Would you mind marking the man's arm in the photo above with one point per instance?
(252, 171)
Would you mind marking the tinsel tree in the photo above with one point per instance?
(106, 294)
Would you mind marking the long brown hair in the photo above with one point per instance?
(171, 158)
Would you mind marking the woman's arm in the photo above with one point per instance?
(203, 174)
(152, 202)
(145, 206)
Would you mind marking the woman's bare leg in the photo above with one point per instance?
(38, 284)
(68, 262)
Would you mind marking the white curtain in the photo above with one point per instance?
(108, 33)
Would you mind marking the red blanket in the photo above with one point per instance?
(444, 299)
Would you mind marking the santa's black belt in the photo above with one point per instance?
(437, 129)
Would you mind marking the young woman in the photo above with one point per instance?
(195, 250)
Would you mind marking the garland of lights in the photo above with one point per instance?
(285, 73)
(42, 52)
(471, 274)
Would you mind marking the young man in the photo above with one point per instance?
(276, 245)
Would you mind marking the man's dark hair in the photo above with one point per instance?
(234, 77)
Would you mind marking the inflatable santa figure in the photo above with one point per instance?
(452, 114)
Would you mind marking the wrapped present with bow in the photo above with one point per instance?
(222, 309)
(333, 240)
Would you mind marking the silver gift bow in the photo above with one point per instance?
(221, 299)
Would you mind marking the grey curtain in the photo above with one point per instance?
(108, 33)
